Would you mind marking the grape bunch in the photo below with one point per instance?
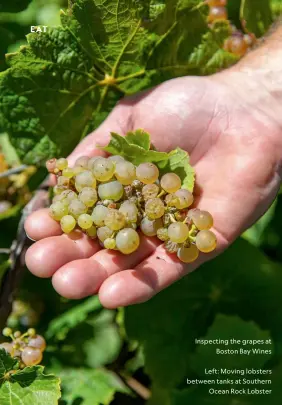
(111, 199)
(27, 347)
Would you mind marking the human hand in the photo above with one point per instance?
(235, 148)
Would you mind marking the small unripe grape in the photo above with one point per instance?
(99, 214)
(217, 14)
(103, 169)
(68, 172)
(202, 219)
(178, 232)
(127, 240)
(188, 254)
(84, 179)
(92, 232)
(38, 342)
(68, 223)
(206, 241)
(150, 227)
(51, 165)
(82, 161)
(150, 191)
(125, 172)
(31, 332)
(58, 210)
(61, 164)
(129, 211)
(104, 233)
(85, 221)
(148, 173)
(31, 356)
(88, 196)
(162, 234)
(109, 243)
(17, 334)
(154, 208)
(170, 182)
(115, 220)
(110, 191)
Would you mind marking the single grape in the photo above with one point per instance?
(127, 240)
(17, 334)
(92, 232)
(31, 332)
(63, 181)
(110, 243)
(148, 173)
(188, 254)
(170, 182)
(88, 196)
(91, 162)
(38, 342)
(237, 45)
(68, 223)
(99, 214)
(162, 234)
(104, 233)
(103, 169)
(82, 161)
(150, 227)
(110, 191)
(125, 172)
(150, 191)
(51, 165)
(61, 164)
(31, 356)
(69, 195)
(217, 14)
(68, 172)
(184, 198)
(8, 347)
(78, 169)
(59, 189)
(115, 220)
(202, 219)
(178, 232)
(116, 159)
(84, 179)
(85, 221)
(154, 208)
(206, 241)
(129, 210)
(7, 332)
(76, 208)
(58, 210)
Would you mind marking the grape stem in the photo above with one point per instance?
(172, 218)
(161, 194)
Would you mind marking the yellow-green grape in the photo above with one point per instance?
(68, 172)
(78, 169)
(162, 234)
(58, 210)
(206, 241)
(7, 332)
(129, 210)
(188, 254)
(99, 214)
(150, 227)
(109, 243)
(76, 208)
(84, 179)
(115, 220)
(171, 200)
(58, 189)
(103, 169)
(202, 219)
(104, 233)
(184, 198)
(82, 161)
(88, 196)
(61, 163)
(170, 182)
(31, 332)
(63, 181)
(125, 172)
(150, 191)
(178, 232)
(38, 342)
(8, 347)
(31, 356)
(68, 195)
(154, 208)
(91, 162)
(110, 191)
(148, 173)
(17, 334)
(116, 159)
(85, 221)
(68, 223)
(92, 232)
(127, 240)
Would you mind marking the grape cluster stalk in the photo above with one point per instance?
(112, 199)
(27, 347)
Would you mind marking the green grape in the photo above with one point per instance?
(31, 332)
(150, 191)
(78, 169)
(184, 198)
(148, 173)
(88, 196)
(178, 232)
(110, 191)
(150, 227)
(188, 254)
(61, 163)
(31, 356)
(7, 332)
(84, 179)
(115, 220)
(8, 347)
(82, 161)
(99, 214)
(109, 243)
(170, 182)
(154, 208)
(125, 172)
(59, 189)
(85, 221)
(206, 241)
(129, 210)
(202, 219)
(162, 234)
(103, 169)
(91, 162)
(92, 232)
(63, 181)
(38, 342)
(127, 240)
(77, 208)
(68, 172)
(68, 223)
(58, 210)
(104, 233)
(116, 159)
(69, 195)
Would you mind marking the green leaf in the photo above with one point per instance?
(139, 137)
(90, 387)
(256, 16)
(27, 386)
(8, 150)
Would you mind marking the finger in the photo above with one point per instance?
(81, 278)
(45, 257)
(155, 273)
(40, 225)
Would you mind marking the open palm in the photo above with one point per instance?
(232, 147)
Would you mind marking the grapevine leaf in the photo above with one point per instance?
(7, 363)
(256, 16)
(8, 150)
(139, 137)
